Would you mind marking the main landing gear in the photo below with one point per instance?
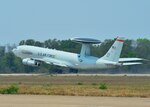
(71, 70)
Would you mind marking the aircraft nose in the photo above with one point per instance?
(14, 51)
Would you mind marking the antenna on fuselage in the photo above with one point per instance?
(86, 43)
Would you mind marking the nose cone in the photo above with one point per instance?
(14, 51)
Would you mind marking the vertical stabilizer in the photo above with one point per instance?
(114, 52)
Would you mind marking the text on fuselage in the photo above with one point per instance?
(45, 54)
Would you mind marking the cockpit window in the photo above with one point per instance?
(15, 48)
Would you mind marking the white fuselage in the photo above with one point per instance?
(72, 60)
(33, 56)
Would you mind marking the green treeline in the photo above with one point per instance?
(132, 48)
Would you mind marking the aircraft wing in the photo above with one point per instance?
(52, 61)
(130, 59)
(57, 64)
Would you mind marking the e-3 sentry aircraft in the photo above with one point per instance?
(33, 56)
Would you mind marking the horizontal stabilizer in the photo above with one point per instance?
(131, 63)
(111, 63)
(130, 59)
(120, 64)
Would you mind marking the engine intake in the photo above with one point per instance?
(30, 62)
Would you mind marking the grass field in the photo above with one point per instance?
(79, 85)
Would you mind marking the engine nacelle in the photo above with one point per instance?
(30, 62)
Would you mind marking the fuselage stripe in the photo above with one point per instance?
(119, 40)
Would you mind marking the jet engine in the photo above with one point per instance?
(30, 62)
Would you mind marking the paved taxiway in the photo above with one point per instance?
(70, 101)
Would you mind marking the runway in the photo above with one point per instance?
(118, 75)
(70, 101)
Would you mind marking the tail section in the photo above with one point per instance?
(114, 52)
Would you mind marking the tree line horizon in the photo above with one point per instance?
(9, 63)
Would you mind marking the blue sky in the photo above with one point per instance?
(63, 19)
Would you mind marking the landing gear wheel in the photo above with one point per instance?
(73, 70)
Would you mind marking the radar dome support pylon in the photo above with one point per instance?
(86, 43)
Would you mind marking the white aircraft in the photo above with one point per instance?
(33, 56)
